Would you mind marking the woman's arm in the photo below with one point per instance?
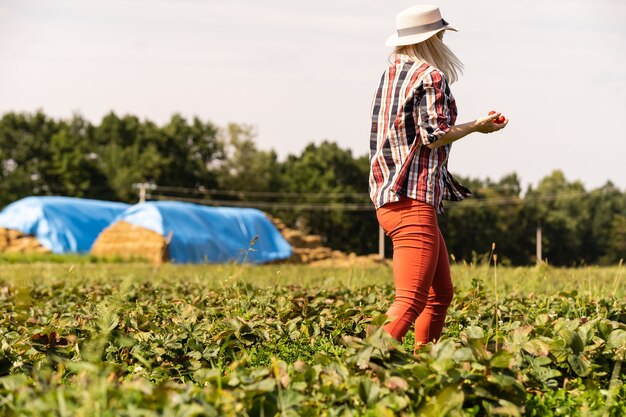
(482, 125)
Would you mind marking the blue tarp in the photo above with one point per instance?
(211, 234)
(61, 224)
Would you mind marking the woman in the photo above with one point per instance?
(413, 117)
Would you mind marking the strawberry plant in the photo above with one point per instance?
(123, 345)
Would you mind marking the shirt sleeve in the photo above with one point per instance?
(433, 110)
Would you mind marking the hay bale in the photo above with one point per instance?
(14, 241)
(312, 241)
(128, 241)
(14, 234)
(277, 222)
(294, 237)
(319, 253)
(308, 249)
(4, 240)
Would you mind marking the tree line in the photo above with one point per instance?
(322, 190)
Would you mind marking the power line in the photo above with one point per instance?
(242, 193)
(497, 201)
(245, 193)
(494, 201)
(272, 205)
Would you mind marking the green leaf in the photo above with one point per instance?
(542, 361)
(259, 373)
(444, 356)
(605, 328)
(82, 366)
(111, 321)
(379, 320)
(395, 402)
(209, 374)
(265, 385)
(463, 355)
(380, 411)
(233, 381)
(289, 399)
(483, 392)
(502, 359)
(537, 347)
(448, 399)
(542, 319)
(505, 381)
(579, 365)
(505, 408)
(189, 314)
(545, 374)
(195, 355)
(586, 333)
(368, 391)
(617, 339)
(475, 332)
(395, 383)
(12, 382)
(520, 335)
(363, 357)
(573, 340)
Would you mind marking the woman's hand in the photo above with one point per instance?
(482, 124)
(487, 124)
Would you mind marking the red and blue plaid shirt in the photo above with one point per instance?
(412, 108)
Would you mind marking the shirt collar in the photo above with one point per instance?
(401, 58)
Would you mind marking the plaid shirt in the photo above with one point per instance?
(413, 107)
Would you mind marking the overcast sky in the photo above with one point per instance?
(306, 71)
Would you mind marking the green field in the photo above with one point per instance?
(97, 339)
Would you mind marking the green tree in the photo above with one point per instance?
(245, 167)
(25, 167)
(128, 153)
(193, 150)
(469, 228)
(42, 156)
(557, 203)
(179, 154)
(603, 206)
(74, 164)
(331, 175)
(616, 248)
(516, 224)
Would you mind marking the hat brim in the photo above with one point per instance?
(395, 40)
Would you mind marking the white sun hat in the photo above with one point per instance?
(416, 24)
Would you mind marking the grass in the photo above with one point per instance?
(542, 280)
(53, 258)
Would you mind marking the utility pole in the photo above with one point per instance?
(538, 248)
(142, 192)
(143, 188)
(381, 242)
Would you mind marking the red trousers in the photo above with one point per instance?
(421, 270)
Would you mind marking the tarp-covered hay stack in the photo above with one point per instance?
(14, 241)
(127, 241)
(189, 233)
(55, 224)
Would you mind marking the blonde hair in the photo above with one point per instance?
(434, 52)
